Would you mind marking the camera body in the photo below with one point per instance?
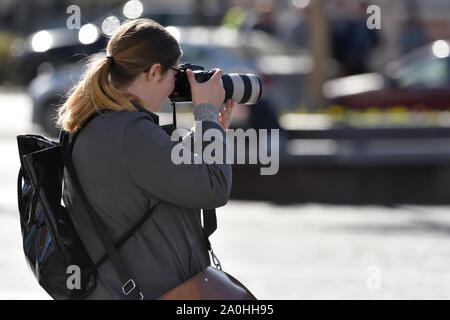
(182, 91)
(242, 88)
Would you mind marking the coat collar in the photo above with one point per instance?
(154, 117)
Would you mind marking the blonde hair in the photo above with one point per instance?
(134, 47)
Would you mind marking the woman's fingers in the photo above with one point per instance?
(229, 106)
(190, 76)
(211, 91)
(217, 75)
(225, 115)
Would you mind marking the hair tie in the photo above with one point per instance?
(111, 59)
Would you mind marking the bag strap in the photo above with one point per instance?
(129, 287)
(209, 226)
(126, 236)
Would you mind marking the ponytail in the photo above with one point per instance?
(93, 92)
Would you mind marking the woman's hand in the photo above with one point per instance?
(211, 91)
(225, 114)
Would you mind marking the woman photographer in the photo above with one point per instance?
(123, 161)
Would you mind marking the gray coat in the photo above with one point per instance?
(123, 161)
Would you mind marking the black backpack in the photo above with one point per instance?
(50, 240)
(51, 243)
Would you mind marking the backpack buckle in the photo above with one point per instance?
(129, 286)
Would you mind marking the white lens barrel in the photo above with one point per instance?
(242, 88)
(238, 87)
(256, 89)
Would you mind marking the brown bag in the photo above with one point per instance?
(210, 284)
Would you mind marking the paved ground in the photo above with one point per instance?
(309, 251)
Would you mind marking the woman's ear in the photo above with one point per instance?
(154, 73)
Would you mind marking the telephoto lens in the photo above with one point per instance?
(242, 88)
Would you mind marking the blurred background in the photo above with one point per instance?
(360, 91)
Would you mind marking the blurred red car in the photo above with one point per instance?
(419, 80)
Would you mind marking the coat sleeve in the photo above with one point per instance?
(148, 150)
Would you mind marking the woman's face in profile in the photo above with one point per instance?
(153, 88)
(168, 82)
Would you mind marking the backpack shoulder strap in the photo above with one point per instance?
(129, 287)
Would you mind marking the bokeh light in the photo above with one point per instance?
(441, 49)
(88, 34)
(174, 31)
(110, 25)
(18, 47)
(133, 9)
(42, 41)
(301, 4)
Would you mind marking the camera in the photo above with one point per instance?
(242, 88)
